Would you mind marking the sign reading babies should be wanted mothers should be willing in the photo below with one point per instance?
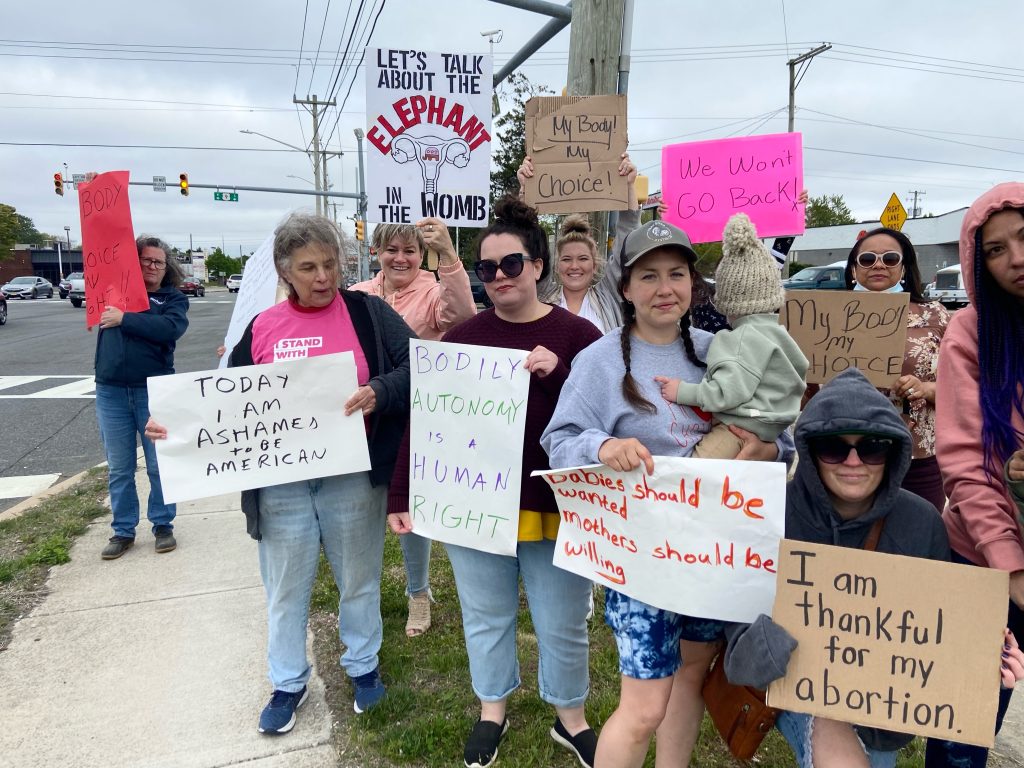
(259, 425)
(466, 423)
(698, 537)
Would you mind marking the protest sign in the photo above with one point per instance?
(901, 643)
(113, 276)
(256, 426)
(468, 413)
(837, 330)
(706, 182)
(257, 293)
(429, 129)
(576, 144)
(698, 537)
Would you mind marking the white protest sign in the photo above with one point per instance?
(257, 293)
(467, 416)
(698, 537)
(429, 132)
(256, 426)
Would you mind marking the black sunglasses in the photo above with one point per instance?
(868, 259)
(832, 449)
(511, 266)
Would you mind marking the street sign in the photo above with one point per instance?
(227, 197)
(894, 214)
(159, 183)
(78, 178)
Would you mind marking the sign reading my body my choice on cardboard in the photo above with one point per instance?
(113, 276)
(837, 330)
(467, 416)
(576, 144)
(900, 643)
(429, 129)
(258, 425)
(706, 182)
(698, 537)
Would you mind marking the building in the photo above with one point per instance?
(936, 240)
(44, 262)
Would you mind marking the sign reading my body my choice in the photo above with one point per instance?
(467, 416)
(429, 130)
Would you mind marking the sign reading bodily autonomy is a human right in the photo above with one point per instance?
(467, 416)
(429, 133)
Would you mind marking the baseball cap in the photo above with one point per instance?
(654, 234)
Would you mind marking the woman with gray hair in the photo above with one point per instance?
(343, 513)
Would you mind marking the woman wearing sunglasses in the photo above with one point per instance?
(884, 261)
(512, 257)
(854, 451)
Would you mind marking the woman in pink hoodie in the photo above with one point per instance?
(430, 306)
(980, 412)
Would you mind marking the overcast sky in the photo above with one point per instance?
(938, 81)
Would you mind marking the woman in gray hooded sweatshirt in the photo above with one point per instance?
(854, 450)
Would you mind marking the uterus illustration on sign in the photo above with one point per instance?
(431, 153)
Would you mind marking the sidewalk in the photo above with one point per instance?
(153, 660)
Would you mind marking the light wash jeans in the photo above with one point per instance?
(416, 554)
(797, 729)
(488, 587)
(122, 412)
(346, 515)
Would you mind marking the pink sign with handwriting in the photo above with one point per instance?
(706, 182)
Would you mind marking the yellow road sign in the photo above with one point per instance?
(894, 214)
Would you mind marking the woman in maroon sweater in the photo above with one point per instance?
(512, 258)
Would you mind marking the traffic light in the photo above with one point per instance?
(58, 184)
(183, 183)
(360, 230)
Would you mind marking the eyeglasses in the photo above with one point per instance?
(868, 259)
(832, 449)
(153, 263)
(511, 266)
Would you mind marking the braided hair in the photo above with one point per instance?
(514, 217)
(1000, 363)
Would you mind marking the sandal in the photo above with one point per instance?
(419, 615)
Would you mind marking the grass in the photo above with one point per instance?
(41, 538)
(430, 706)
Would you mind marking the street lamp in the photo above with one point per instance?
(67, 229)
(290, 176)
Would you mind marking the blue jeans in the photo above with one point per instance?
(488, 587)
(345, 514)
(122, 412)
(416, 554)
(797, 728)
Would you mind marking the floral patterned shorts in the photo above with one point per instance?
(648, 637)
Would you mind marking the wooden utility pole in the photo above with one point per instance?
(797, 70)
(321, 186)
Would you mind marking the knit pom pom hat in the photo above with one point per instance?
(747, 282)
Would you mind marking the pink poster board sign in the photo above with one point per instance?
(706, 182)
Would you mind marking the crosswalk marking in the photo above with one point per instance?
(80, 388)
(25, 485)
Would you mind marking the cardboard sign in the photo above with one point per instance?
(113, 276)
(468, 413)
(256, 426)
(706, 182)
(698, 537)
(576, 143)
(837, 330)
(257, 293)
(429, 134)
(900, 643)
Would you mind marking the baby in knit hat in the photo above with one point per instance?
(755, 372)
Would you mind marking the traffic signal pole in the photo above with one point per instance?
(237, 188)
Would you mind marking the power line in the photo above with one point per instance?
(319, 43)
(916, 160)
(302, 43)
(139, 146)
(355, 73)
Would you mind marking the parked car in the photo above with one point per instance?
(949, 287)
(77, 293)
(64, 286)
(234, 283)
(479, 292)
(193, 286)
(3, 309)
(830, 277)
(28, 287)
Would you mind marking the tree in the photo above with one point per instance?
(222, 264)
(14, 229)
(510, 137)
(827, 211)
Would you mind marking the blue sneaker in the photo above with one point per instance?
(279, 715)
(369, 690)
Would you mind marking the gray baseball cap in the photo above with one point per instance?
(654, 234)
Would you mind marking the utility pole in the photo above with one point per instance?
(915, 210)
(364, 254)
(803, 62)
(313, 107)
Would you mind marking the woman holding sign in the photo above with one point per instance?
(611, 412)
(884, 261)
(980, 420)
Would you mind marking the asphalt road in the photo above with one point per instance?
(57, 432)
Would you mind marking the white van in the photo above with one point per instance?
(949, 287)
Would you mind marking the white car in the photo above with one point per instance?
(234, 283)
